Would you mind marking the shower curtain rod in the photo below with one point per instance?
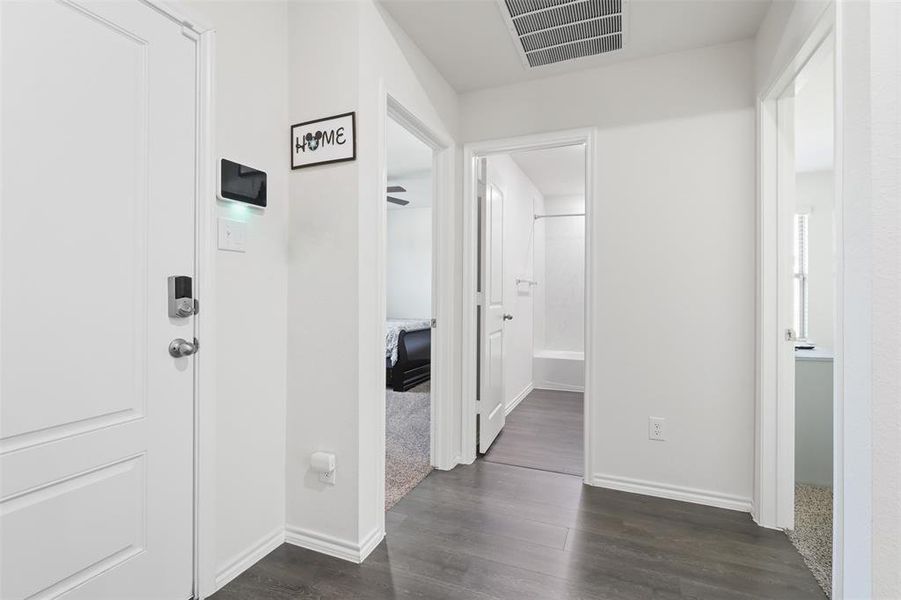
(561, 215)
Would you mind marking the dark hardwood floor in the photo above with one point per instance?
(494, 531)
(544, 432)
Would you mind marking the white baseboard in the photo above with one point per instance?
(371, 542)
(332, 546)
(248, 558)
(672, 492)
(559, 387)
(458, 460)
(519, 398)
(755, 516)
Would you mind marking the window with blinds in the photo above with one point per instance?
(802, 245)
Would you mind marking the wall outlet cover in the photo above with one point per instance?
(656, 429)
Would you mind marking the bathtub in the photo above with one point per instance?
(559, 370)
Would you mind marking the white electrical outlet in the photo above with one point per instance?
(656, 429)
(328, 478)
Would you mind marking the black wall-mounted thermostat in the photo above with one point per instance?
(241, 183)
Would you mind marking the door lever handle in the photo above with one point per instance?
(179, 347)
(508, 317)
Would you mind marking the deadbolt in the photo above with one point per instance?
(181, 297)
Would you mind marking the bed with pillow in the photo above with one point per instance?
(408, 353)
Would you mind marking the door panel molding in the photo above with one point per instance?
(64, 431)
(84, 10)
(93, 493)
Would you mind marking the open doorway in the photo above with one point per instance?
(799, 483)
(531, 318)
(808, 119)
(408, 338)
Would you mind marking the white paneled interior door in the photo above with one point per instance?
(491, 351)
(97, 194)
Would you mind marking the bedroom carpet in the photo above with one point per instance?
(812, 535)
(407, 441)
(425, 387)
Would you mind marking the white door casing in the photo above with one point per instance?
(785, 367)
(97, 186)
(491, 388)
(473, 156)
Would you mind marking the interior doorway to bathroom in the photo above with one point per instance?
(800, 417)
(809, 199)
(531, 317)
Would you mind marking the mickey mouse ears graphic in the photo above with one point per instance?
(323, 141)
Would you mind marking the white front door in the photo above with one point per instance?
(97, 185)
(491, 351)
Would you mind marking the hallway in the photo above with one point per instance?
(493, 531)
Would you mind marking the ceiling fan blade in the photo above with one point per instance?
(393, 189)
(394, 200)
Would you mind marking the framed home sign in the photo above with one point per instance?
(324, 141)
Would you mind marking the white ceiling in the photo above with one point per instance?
(469, 43)
(814, 116)
(555, 172)
(410, 166)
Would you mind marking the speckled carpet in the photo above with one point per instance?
(812, 535)
(407, 441)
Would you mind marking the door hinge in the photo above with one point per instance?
(480, 298)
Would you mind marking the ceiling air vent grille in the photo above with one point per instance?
(550, 31)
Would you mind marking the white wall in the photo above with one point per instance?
(559, 307)
(539, 269)
(869, 79)
(347, 56)
(815, 195)
(673, 259)
(562, 285)
(389, 62)
(520, 196)
(409, 269)
(251, 121)
(323, 303)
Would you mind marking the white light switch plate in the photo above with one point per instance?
(232, 235)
